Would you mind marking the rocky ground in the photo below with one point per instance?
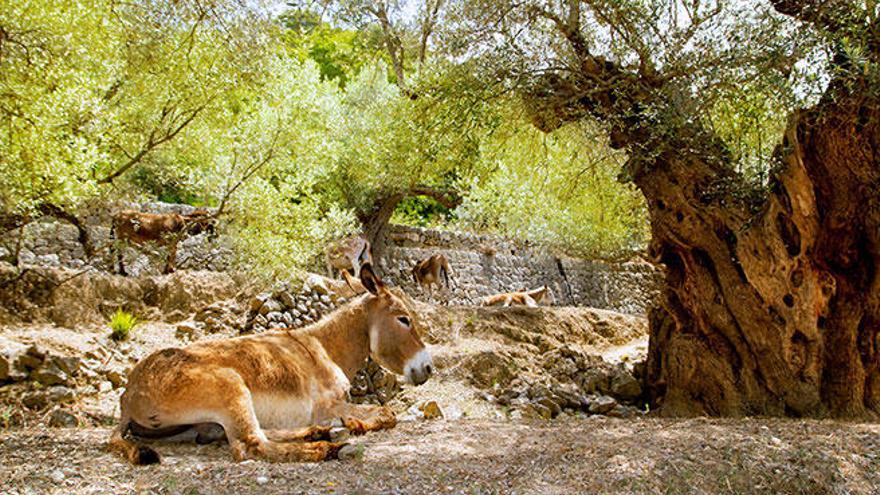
(525, 400)
(593, 455)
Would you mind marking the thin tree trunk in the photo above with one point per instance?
(376, 225)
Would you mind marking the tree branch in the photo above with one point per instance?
(834, 16)
(392, 41)
(428, 24)
(447, 197)
(153, 142)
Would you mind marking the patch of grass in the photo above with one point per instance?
(121, 324)
(6, 418)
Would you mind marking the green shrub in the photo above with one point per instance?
(121, 324)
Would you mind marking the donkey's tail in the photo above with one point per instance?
(139, 455)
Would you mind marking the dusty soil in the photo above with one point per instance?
(594, 455)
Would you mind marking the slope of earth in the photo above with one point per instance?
(594, 455)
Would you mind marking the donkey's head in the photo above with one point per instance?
(394, 341)
(201, 221)
(548, 298)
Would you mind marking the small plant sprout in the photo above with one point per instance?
(121, 324)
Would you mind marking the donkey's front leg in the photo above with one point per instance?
(312, 433)
(360, 419)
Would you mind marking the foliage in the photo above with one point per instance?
(294, 128)
(559, 189)
(121, 325)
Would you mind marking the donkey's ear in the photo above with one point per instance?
(364, 257)
(370, 280)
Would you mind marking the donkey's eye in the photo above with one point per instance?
(403, 320)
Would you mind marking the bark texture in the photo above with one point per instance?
(774, 313)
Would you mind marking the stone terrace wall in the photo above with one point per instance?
(481, 265)
(52, 243)
(484, 265)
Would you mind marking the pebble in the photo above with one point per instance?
(262, 480)
(57, 476)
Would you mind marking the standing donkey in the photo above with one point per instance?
(348, 254)
(164, 229)
(430, 270)
(270, 391)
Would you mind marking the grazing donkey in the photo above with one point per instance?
(531, 298)
(270, 391)
(348, 254)
(165, 229)
(428, 272)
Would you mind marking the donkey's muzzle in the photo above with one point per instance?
(419, 368)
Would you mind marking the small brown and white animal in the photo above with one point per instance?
(531, 298)
(269, 392)
(348, 287)
(429, 271)
(348, 254)
(165, 229)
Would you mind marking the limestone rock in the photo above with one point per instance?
(62, 419)
(10, 352)
(602, 404)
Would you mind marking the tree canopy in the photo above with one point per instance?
(298, 126)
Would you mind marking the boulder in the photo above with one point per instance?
(624, 386)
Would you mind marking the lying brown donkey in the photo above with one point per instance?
(270, 391)
(531, 298)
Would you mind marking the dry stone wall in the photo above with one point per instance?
(52, 243)
(484, 265)
(481, 265)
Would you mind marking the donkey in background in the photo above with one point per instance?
(531, 298)
(431, 271)
(164, 229)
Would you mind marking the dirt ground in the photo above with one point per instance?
(592, 455)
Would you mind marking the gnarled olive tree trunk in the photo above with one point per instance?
(769, 307)
(775, 312)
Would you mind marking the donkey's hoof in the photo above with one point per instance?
(319, 433)
(351, 452)
(334, 449)
(355, 426)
